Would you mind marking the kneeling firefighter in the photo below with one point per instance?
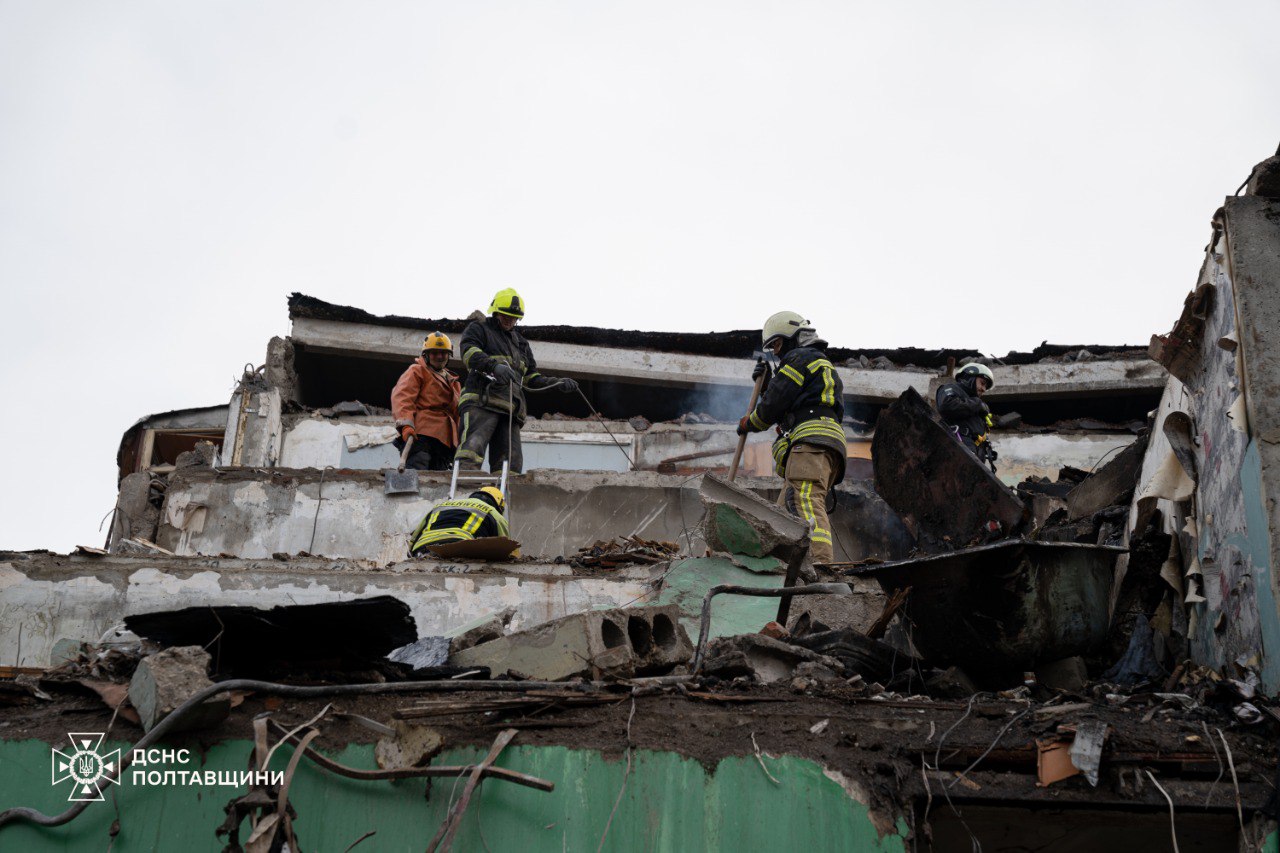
(962, 409)
(805, 399)
(456, 520)
(500, 367)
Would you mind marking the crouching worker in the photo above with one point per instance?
(805, 399)
(460, 519)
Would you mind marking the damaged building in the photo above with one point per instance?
(1080, 650)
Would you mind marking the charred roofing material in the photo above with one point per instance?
(738, 343)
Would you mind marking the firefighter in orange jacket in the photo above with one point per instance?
(425, 405)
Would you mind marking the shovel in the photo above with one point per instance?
(742, 439)
(400, 481)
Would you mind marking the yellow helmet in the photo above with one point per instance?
(437, 340)
(495, 493)
(507, 302)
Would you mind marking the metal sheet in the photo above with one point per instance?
(1005, 607)
(937, 486)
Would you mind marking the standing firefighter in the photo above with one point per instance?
(962, 409)
(805, 398)
(459, 519)
(500, 367)
(425, 405)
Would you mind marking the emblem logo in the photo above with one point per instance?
(85, 766)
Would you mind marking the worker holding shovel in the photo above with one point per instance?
(805, 400)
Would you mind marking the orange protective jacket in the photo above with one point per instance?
(427, 401)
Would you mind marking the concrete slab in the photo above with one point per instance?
(619, 642)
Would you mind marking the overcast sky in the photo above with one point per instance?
(985, 175)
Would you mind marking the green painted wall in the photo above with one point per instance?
(670, 803)
(687, 582)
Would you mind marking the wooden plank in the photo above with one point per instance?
(486, 548)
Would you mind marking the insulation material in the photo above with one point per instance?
(1237, 415)
(1169, 482)
(359, 435)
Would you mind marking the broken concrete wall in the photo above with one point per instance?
(1217, 488)
(256, 514)
(45, 598)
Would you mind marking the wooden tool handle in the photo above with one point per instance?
(404, 454)
(742, 439)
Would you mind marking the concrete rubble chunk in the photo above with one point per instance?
(481, 630)
(763, 658)
(411, 746)
(166, 679)
(620, 642)
(739, 522)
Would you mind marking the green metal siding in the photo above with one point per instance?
(670, 803)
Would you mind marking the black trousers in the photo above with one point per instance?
(428, 454)
(485, 428)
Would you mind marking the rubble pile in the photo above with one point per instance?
(623, 551)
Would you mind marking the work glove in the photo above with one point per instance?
(744, 425)
(761, 369)
(407, 432)
(506, 373)
(568, 385)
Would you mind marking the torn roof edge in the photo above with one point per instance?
(738, 343)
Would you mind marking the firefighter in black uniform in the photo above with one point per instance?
(962, 409)
(805, 399)
(460, 519)
(500, 367)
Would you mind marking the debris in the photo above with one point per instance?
(759, 657)
(891, 608)
(1112, 484)
(166, 679)
(639, 423)
(1138, 665)
(984, 608)
(819, 727)
(775, 631)
(411, 745)
(620, 642)
(739, 522)
(422, 653)
(1086, 749)
(952, 683)
(624, 550)
(481, 630)
(939, 488)
(1068, 674)
(861, 655)
(253, 641)
(1180, 351)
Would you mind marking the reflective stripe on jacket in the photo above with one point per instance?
(484, 345)
(457, 519)
(805, 398)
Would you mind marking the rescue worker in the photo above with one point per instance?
(476, 516)
(962, 409)
(425, 406)
(805, 399)
(500, 367)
